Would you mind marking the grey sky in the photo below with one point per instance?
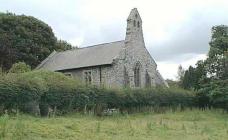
(175, 31)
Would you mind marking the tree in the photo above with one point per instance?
(200, 74)
(213, 88)
(25, 39)
(193, 76)
(216, 62)
(180, 74)
(63, 45)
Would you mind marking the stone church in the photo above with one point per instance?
(125, 63)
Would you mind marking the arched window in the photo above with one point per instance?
(137, 74)
(136, 15)
(148, 80)
(138, 24)
(88, 77)
(126, 78)
(134, 23)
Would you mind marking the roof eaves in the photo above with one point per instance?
(107, 64)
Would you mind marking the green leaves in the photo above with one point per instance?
(20, 67)
(55, 90)
(216, 62)
(26, 39)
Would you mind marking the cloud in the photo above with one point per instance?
(169, 68)
(175, 31)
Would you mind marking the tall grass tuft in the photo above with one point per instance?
(3, 125)
(149, 126)
(98, 128)
(19, 132)
(184, 128)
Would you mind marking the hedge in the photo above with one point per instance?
(39, 91)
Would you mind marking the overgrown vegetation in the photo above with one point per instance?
(26, 39)
(189, 124)
(40, 91)
(210, 77)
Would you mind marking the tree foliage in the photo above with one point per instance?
(193, 76)
(216, 62)
(210, 77)
(180, 73)
(62, 45)
(20, 67)
(25, 39)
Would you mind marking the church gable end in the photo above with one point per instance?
(118, 64)
(141, 67)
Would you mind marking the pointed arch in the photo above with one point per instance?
(134, 23)
(148, 79)
(137, 74)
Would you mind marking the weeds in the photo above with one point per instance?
(3, 125)
(98, 128)
(149, 126)
(172, 126)
(20, 128)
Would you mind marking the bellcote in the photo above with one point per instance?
(134, 18)
(134, 26)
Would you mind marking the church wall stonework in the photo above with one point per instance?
(104, 76)
(133, 53)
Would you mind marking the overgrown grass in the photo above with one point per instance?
(188, 125)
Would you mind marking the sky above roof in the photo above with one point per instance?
(175, 31)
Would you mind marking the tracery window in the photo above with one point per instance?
(138, 24)
(134, 23)
(137, 75)
(88, 77)
(148, 80)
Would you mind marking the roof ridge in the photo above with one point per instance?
(100, 44)
(89, 46)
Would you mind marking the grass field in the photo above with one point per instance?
(187, 125)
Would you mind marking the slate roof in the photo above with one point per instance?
(101, 54)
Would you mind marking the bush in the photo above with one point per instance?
(20, 67)
(214, 94)
(44, 91)
(127, 100)
(25, 91)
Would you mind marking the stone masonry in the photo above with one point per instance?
(132, 66)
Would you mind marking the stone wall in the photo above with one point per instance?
(133, 52)
(101, 75)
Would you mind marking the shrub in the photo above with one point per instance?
(40, 91)
(24, 91)
(98, 99)
(214, 94)
(20, 67)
